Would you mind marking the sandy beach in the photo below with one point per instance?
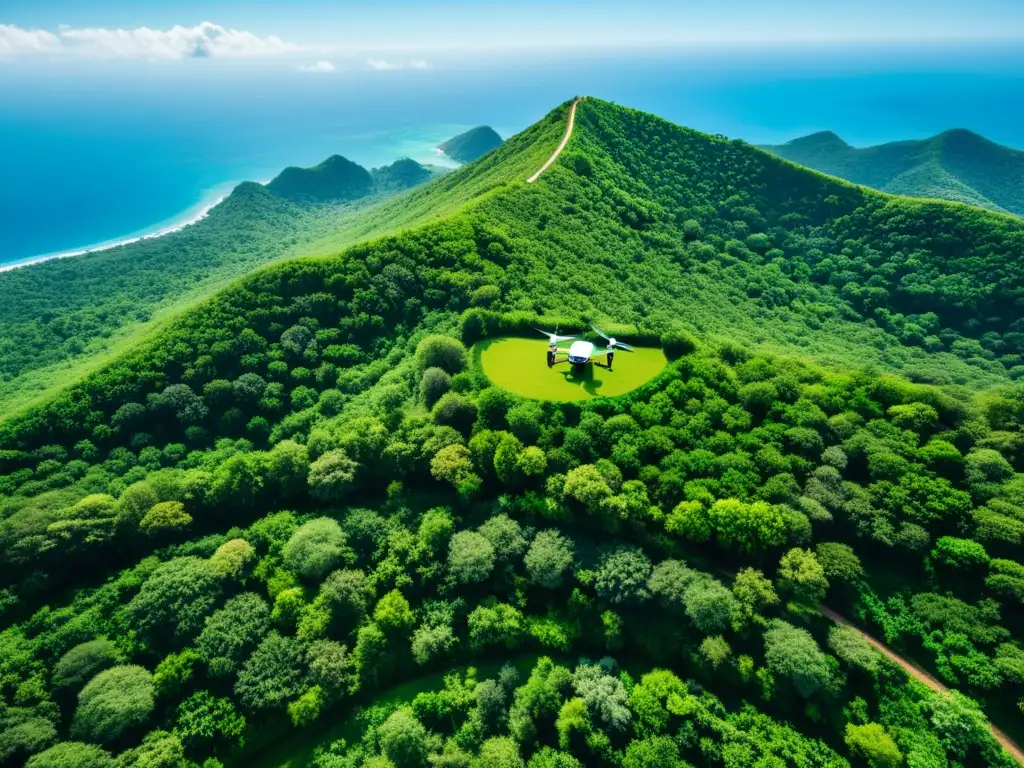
(202, 214)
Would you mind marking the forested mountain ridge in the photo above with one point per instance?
(471, 145)
(304, 490)
(63, 314)
(956, 165)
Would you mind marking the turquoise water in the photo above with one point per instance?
(107, 154)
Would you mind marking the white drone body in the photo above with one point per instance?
(581, 352)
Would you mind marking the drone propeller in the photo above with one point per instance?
(554, 338)
(612, 342)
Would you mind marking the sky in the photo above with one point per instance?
(321, 35)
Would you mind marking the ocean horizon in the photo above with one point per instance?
(87, 165)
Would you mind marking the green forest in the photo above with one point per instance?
(957, 165)
(63, 317)
(299, 526)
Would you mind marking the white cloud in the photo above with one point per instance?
(381, 64)
(206, 40)
(15, 41)
(320, 66)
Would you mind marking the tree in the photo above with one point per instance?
(498, 752)
(307, 708)
(23, 736)
(403, 739)
(873, 744)
(494, 623)
(83, 662)
(604, 695)
(549, 557)
(710, 605)
(234, 558)
(622, 576)
(959, 721)
(525, 421)
(715, 650)
(653, 752)
(331, 668)
(209, 719)
(551, 758)
(506, 537)
(332, 476)
(754, 593)
(71, 754)
(838, 562)
(453, 464)
(677, 343)
(432, 641)
(176, 598)
(669, 581)
(850, 646)
(454, 410)
(248, 388)
(272, 675)
(962, 554)
(434, 383)
(470, 557)
(442, 352)
(793, 653)
(491, 706)
(370, 650)
(346, 594)
(532, 462)
(316, 548)
(506, 459)
(232, 633)
(587, 485)
(167, 517)
(802, 576)
(115, 700)
(393, 613)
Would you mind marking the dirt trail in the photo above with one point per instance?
(918, 674)
(565, 140)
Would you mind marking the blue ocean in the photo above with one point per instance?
(104, 154)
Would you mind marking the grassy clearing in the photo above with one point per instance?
(519, 366)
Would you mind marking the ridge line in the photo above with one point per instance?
(561, 146)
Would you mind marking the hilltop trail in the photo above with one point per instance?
(561, 146)
(918, 674)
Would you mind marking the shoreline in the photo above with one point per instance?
(160, 231)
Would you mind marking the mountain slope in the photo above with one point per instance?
(471, 145)
(66, 314)
(957, 165)
(278, 507)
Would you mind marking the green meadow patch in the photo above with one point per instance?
(520, 366)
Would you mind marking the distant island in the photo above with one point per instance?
(957, 165)
(474, 143)
(338, 179)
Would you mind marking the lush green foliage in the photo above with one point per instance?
(956, 165)
(254, 522)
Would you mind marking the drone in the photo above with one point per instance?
(581, 352)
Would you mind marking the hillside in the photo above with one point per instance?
(957, 165)
(67, 315)
(279, 531)
(471, 145)
(334, 180)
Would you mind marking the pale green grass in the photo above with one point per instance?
(520, 366)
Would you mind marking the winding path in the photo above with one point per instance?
(918, 674)
(561, 146)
